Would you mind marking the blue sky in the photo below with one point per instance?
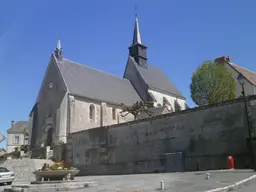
(179, 34)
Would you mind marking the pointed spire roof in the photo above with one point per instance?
(59, 45)
(58, 50)
(136, 33)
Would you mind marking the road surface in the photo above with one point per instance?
(2, 187)
(174, 182)
(248, 187)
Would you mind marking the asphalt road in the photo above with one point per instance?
(2, 186)
(249, 187)
(174, 182)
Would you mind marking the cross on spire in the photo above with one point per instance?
(58, 51)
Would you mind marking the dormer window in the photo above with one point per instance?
(177, 106)
(165, 101)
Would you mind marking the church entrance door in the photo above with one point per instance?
(49, 138)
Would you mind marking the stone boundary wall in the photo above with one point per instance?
(205, 135)
(38, 153)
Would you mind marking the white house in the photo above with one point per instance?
(234, 69)
(17, 135)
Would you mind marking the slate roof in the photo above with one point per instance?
(87, 82)
(156, 79)
(18, 127)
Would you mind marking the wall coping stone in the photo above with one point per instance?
(220, 104)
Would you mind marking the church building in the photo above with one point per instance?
(68, 102)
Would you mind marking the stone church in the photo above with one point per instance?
(67, 102)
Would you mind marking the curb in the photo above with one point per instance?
(49, 187)
(234, 186)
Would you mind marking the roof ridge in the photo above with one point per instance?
(22, 121)
(94, 69)
(243, 68)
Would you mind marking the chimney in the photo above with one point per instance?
(12, 124)
(228, 59)
(223, 59)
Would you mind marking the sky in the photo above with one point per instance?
(180, 35)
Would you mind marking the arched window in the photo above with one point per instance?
(113, 113)
(92, 112)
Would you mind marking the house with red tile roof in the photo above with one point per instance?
(234, 69)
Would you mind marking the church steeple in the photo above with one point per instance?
(136, 33)
(137, 49)
(58, 51)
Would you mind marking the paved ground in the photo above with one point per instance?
(2, 187)
(174, 182)
(248, 187)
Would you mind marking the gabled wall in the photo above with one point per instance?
(10, 145)
(248, 87)
(49, 98)
(137, 81)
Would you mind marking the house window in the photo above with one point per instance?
(16, 140)
(92, 112)
(114, 113)
(177, 106)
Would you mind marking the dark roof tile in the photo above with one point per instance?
(155, 78)
(92, 83)
(19, 127)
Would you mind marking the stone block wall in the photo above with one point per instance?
(38, 153)
(205, 135)
(59, 152)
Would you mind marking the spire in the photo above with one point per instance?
(58, 45)
(136, 33)
(58, 51)
(137, 50)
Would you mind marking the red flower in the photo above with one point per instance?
(67, 164)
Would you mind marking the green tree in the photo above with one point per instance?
(212, 83)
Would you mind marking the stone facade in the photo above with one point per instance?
(67, 102)
(87, 113)
(205, 136)
(50, 101)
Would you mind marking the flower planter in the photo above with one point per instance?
(53, 175)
